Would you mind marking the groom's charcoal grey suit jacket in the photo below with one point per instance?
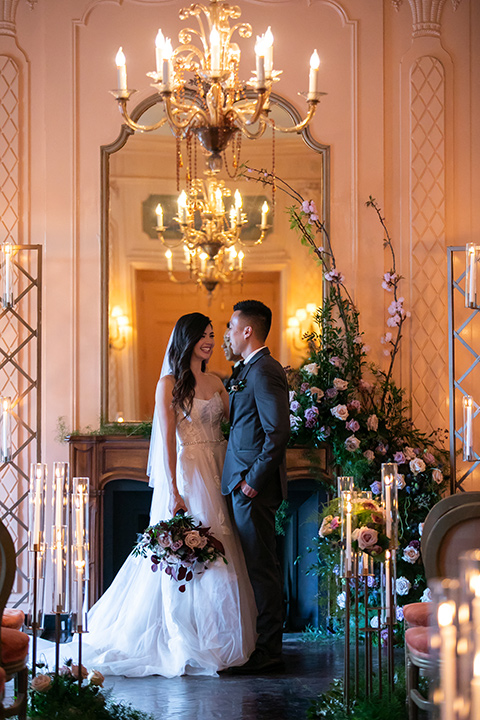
(260, 426)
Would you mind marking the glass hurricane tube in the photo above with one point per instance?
(80, 546)
(60, 541)
(390, 501)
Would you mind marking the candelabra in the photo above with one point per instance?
(222, 105)
(210, 237)
(60, 546)
(36, 548)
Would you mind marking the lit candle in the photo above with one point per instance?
(475, 688)
(182, 207)
(348, 543)
(215, 51)
(260, 64)
(264, 215)
(7, 289)
(79, 592)
(167, 64)
(159, 44)
(388, 505)
(159, 214)
(58, 568)
(468, 422)
(241, 255)
(388, 583)
(448, 674)
(313, 76)
(168, 255)
(472, 272)
(233, 215)
(121, 64)
(268, 44)
(5, 428)
(38, 502)
(203, 261)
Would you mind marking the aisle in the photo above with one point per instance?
(309, 668)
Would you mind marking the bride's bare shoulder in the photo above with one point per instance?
(165, 384)
(214, 381)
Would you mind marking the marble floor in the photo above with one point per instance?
(309, 668)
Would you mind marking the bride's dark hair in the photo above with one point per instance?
(187, 332)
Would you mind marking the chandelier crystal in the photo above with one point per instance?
(211, 237)
(200, 85)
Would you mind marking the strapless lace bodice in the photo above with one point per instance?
(202, 426)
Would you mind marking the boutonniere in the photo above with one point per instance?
(237, 386)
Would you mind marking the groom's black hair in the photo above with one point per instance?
(257, 314)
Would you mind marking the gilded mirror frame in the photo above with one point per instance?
(106, 151)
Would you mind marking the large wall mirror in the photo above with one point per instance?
(140, 302)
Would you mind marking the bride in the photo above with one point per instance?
(143, 625)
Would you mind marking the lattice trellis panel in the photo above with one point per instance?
(20, 370)
(427, 211)
(464, 371)
(9, 148)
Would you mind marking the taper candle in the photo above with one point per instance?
(121, 64)
(448, 674)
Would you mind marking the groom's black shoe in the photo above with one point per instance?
(259, 662)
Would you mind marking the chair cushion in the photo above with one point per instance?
(417, 641)
(14, 646)
(419, 614)
(13, 618)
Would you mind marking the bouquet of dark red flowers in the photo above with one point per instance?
(181, 547)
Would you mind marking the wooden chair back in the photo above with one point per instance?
(451, 528)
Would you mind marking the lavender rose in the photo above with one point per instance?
(403, 586)
(376, 487)
(311, 416)
(353, 425)
(295, 406)
(399, 458)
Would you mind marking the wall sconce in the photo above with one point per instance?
(472, 258)
(5, 430)
(118, 328)
(300, 324)
(8, 251)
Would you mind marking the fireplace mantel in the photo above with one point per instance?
(104, 458)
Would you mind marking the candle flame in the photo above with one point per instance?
(314, 60)
(120, 59)
(446, 613)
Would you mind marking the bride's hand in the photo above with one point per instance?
(175, 504)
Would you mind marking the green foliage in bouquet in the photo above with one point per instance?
(338, 396)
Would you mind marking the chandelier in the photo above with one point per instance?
(200, 85)
(210, 236)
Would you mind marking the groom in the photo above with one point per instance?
(254, 473)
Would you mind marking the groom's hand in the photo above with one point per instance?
(247, 490)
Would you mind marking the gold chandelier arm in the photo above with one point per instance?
(195, 112)
(249, 133)
(122, 106)
(301, 125)
(259, 106)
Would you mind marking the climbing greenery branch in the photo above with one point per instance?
(340, 397)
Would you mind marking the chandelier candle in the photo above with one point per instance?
(121, 64)
(313, 76)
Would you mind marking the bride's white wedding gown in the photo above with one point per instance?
(143, 625)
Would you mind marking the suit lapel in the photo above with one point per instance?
(243, 376)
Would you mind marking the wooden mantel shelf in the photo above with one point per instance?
(104, 458)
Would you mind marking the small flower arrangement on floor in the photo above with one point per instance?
(57, 696)
(368, 524)
(180, 547)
